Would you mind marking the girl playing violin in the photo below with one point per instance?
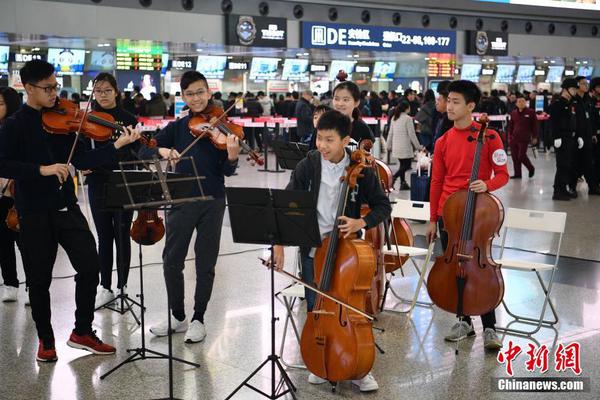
(48, 211)
(451, 170)
(320, 173)
(111, 226)
(205, 217)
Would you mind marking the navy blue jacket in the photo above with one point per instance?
(210, 162)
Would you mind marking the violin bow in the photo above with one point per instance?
(316, 290)
(212, 125)
(78, 132)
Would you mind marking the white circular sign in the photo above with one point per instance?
(499, 157)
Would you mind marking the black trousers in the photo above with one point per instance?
(405, 165)
(206, 218)
(585, 165)
(8, 238)
(41, 233)
(487, 320)
(565, 172)
(111, 227)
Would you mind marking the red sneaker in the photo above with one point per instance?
(91, 343)
(46, 352)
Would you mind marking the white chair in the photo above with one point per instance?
(540, 221)
(409, 210)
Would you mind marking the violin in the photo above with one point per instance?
(337, 343)
(12, 217)
(201, 125)
(66, 117)
(466, 280)
(148, 228)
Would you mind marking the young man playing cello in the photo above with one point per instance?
(205, 217)
(451, 170)
(48, 210)
(320, 173)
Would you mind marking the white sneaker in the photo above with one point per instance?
(10, 294)
(162, 329)
(195, 333)
(366, 384)
(315, 380)
(104, 297)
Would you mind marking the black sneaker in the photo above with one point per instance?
(404, 186)
(561, 196)
(594, 190)
(532, 173)
(516, 177)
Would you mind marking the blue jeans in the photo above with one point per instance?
(308, 272)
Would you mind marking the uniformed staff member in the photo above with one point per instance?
(595, 101)
(584, 158)
(563, 124)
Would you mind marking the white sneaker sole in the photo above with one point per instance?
(46, 360)
(165, 332)
(194, 340)
(82, 347)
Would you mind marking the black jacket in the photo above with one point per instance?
(307, 176)
(25, 146)
(584, 111)
(563, 119)
(211, 163)
(304, 114)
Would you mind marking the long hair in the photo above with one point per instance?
(106, 77)
(354, 92)
(11, 99)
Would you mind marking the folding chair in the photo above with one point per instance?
(541, 221)
(410, 210)
(291, 296)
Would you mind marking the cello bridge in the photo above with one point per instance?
(465, 256)
(322, 312)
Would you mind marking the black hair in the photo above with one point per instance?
(442, 88)
(36, 70)
(403, 106)
(467, 89)
(217, 95)
(429, 96)
(580, 78)
(335, 120)
(260, 93)
(520, 96)
(106, 77)
(295, 95)
(12, 100)
(408, 92)
(494, 93)
(354, 92)
(321, 108)
(190, 77)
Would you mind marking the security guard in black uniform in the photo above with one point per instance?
(584, 159)
(563, 124)
(595, 101)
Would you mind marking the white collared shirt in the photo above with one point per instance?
(329, 192)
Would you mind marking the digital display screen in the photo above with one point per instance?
(295, 70)
(4, 53)
(337, 65)
(505, 73)
(139, 61)
(470, 72)
(585, 70)
(264, 68)
(212, 67)
(148, 82)
(67, 61)
(525, 73)
(101, 61)
(384, 71)
(555, 73)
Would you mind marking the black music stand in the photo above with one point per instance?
(266, 149)
(152, 189)
(273, 217)
(289, 154)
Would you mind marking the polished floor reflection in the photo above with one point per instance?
(417, 363)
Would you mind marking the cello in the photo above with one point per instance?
(466, 280)
(337, 343)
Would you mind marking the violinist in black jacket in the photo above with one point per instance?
(48, 211)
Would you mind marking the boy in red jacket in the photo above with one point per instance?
(452, 163)
(522, 129)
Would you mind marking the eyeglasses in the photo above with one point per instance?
(48, 89)
(106, 92)
(199, 93)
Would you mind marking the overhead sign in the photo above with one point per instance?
(376, 38)
(245, 30)
(183, 63)
(487, 43)
(581, 5)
